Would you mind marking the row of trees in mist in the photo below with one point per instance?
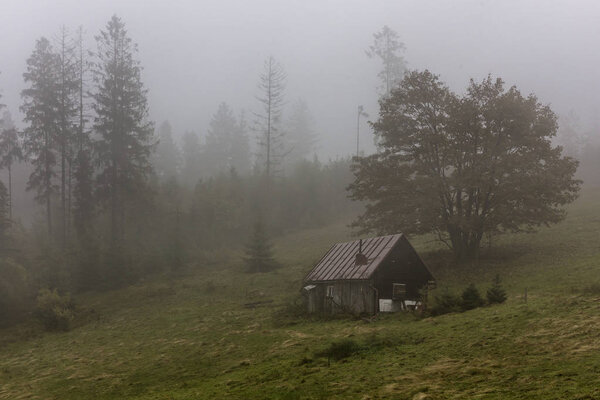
(228, 145)
(121, 199)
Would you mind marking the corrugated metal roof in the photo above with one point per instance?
(339, 263)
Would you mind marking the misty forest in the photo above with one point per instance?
(369, 210)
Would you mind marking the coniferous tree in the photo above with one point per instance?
(259, 251)
(167, 158)
(68, 110)
(83, 169)
(240, 147)
(300, 136)
(5, 221)
(388, 48)
(471, 298)
(191, 157)
(270, 135)
(10, 152)
(218, 155)
(125, 136)
(496, 294)
(83, 204)
(41, 136)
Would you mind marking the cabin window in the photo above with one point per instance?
(399, 291)
(329, 292)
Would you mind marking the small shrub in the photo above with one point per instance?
(13, 291)
(471, 298)
(496, 294)
(54, 311)
(446, 303)
(340, 350)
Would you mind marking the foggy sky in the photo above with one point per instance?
(197, 54)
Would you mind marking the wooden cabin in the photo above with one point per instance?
(367, 276)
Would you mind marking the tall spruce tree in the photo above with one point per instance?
(191, 158)
(5, 220)
(300, 135)
(388, 48)
(124, 134)
(10, 151)
(218, 156)
(68, 110)
(41, 137)
(270, 135)
(259, 251)
(240, 146)
(83, 195)
(83, 169)
(167, 158)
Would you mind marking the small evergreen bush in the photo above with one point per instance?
(14, 291)
(446, 303)
(259, 251)
(54, 311)
(471, 298)
(496, 294)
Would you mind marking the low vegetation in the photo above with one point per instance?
(55, 311)
(191, 336)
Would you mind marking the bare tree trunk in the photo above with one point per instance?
(48, 183)
(69, 192)
(114, 209)
(10, 191)
(63, 197)
(269, 99)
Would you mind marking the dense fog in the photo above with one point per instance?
(198, 54)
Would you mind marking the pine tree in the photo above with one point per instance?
(68, 90)
(259, 251)
(83, 204)
(124, 135)
(167, 158)
(10, 152)
(82, 167)
(218, 155)
(300, 136)
(388, 48)
(240, 147)
(41, 136)
(496, 294)
(271, 97)
(5, 221)
(191, 155)
(471, 298)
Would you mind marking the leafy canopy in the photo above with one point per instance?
(462, 166)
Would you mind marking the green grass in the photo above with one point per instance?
(190, 337)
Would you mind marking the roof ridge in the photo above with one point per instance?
(338, 263)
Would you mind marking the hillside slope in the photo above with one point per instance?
(192, 337)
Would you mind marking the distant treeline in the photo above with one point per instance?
(119, 199)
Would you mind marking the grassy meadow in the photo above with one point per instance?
(191, 336)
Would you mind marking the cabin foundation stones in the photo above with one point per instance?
(367, 276)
